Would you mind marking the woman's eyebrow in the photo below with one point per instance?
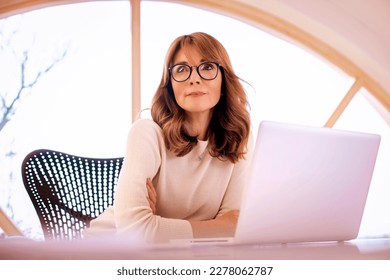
(186, 62)
(181, 62)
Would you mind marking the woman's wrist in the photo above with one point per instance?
(223, 226)
(206, 229)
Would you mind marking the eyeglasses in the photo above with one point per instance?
(206, 70)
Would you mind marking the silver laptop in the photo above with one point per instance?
(308, 184)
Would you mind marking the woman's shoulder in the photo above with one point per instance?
(145, 124)
(145, 128)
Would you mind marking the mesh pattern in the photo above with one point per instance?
(69, 191)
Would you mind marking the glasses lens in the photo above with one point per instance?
(208, 70)
(181, 72)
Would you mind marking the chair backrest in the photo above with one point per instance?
(69, 191)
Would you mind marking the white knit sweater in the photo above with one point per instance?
(193, 187)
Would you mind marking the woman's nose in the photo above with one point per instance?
(194, 76)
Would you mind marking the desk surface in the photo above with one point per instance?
(359, 249)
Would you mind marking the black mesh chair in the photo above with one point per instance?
(69, 191)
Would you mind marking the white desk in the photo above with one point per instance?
(360, 249)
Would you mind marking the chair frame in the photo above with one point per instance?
(69, 191)
(8, 226)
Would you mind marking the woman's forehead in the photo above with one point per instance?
(189, 55)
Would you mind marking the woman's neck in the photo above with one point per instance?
(197, 124)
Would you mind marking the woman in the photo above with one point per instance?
(185, 170)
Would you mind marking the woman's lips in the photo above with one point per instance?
(195, 94)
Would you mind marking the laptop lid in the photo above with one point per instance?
(308, 184)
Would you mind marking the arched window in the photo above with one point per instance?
(83, 105)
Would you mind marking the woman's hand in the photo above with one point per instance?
(228, 222)
(222, 226)
(152, 195)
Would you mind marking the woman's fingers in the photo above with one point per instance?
(151, 190)
(152, 206)
(152, 195)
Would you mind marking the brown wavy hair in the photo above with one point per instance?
(229, 128)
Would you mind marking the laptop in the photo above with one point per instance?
(307, 184)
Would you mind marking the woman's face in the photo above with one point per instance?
(195, 95)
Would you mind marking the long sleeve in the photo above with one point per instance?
(133, 215)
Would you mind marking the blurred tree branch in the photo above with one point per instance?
(9, 101)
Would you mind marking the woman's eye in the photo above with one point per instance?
(181, 68)
(207, 66)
